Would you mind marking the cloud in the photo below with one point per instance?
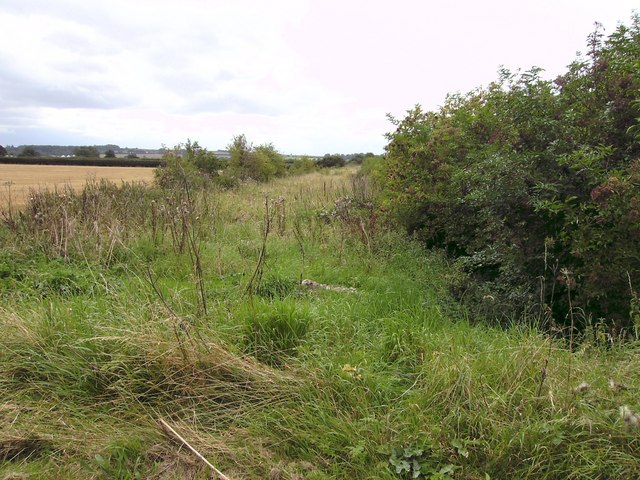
(310, 76)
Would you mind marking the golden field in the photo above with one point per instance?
(18, 180)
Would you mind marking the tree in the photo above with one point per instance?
(359, 158)
(206, 162)
(261, 163)
(302, 165)
(29, 152)
(335, 160)
(273, 160)
(86, 152)
(187, 166)
(3, 151)
(109, 154)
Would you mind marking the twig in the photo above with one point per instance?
(167, 429)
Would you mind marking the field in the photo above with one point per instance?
(23, 178)
(285, 330)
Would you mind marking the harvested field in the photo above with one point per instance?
(18, 180)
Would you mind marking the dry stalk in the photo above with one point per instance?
(259, 270)
(180, 325)
(171, 432)
(299, 236)
(8, 214)
(568, 279)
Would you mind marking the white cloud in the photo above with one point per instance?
(310, 76)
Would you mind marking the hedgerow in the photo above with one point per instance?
(533, 185)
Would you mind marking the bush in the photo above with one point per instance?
(194, 169)
(261, 163)
(335, 160)
(86, 152)
(529, 178)
(302, 165)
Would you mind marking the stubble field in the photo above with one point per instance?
(18, 180)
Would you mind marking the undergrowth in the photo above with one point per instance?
(367, 370)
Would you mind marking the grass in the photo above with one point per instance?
(101, 339)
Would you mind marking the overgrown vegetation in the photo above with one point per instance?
(534, 186)
(261, 163)
(125, 305)
(287, 330)
(194, 168)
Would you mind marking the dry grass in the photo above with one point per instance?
(18, 180)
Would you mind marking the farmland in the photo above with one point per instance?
(22, 178)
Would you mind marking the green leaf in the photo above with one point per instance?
(450, 468)
(460, 447)
(413, 452)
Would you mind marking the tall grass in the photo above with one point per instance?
(383, 378)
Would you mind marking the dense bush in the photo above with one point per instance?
(302, 165)
(192, 168)
(261, 163)
(533, 185)
(86, 152)
(335, 160)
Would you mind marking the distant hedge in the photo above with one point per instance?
(84, 162)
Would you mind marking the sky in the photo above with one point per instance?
(310, 76)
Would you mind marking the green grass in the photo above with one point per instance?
(390, 381)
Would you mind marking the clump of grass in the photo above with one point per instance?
(277, 287)
(273, 331)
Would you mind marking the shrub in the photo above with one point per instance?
(529, 177)
(88, 152)
(194, 168)
(261, 163)
(302, 165)
(335, 160)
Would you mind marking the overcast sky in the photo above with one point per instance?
(310, 76)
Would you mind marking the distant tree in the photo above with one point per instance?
(335, 160)
(86, 152)
(132, 155)
(206, 162)
(358, 158)
(260, 163)
(29, 152)
(274, 161)
(302, 165)
(187, 165)
(240, 153)
(109, 154)
(3, 151)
